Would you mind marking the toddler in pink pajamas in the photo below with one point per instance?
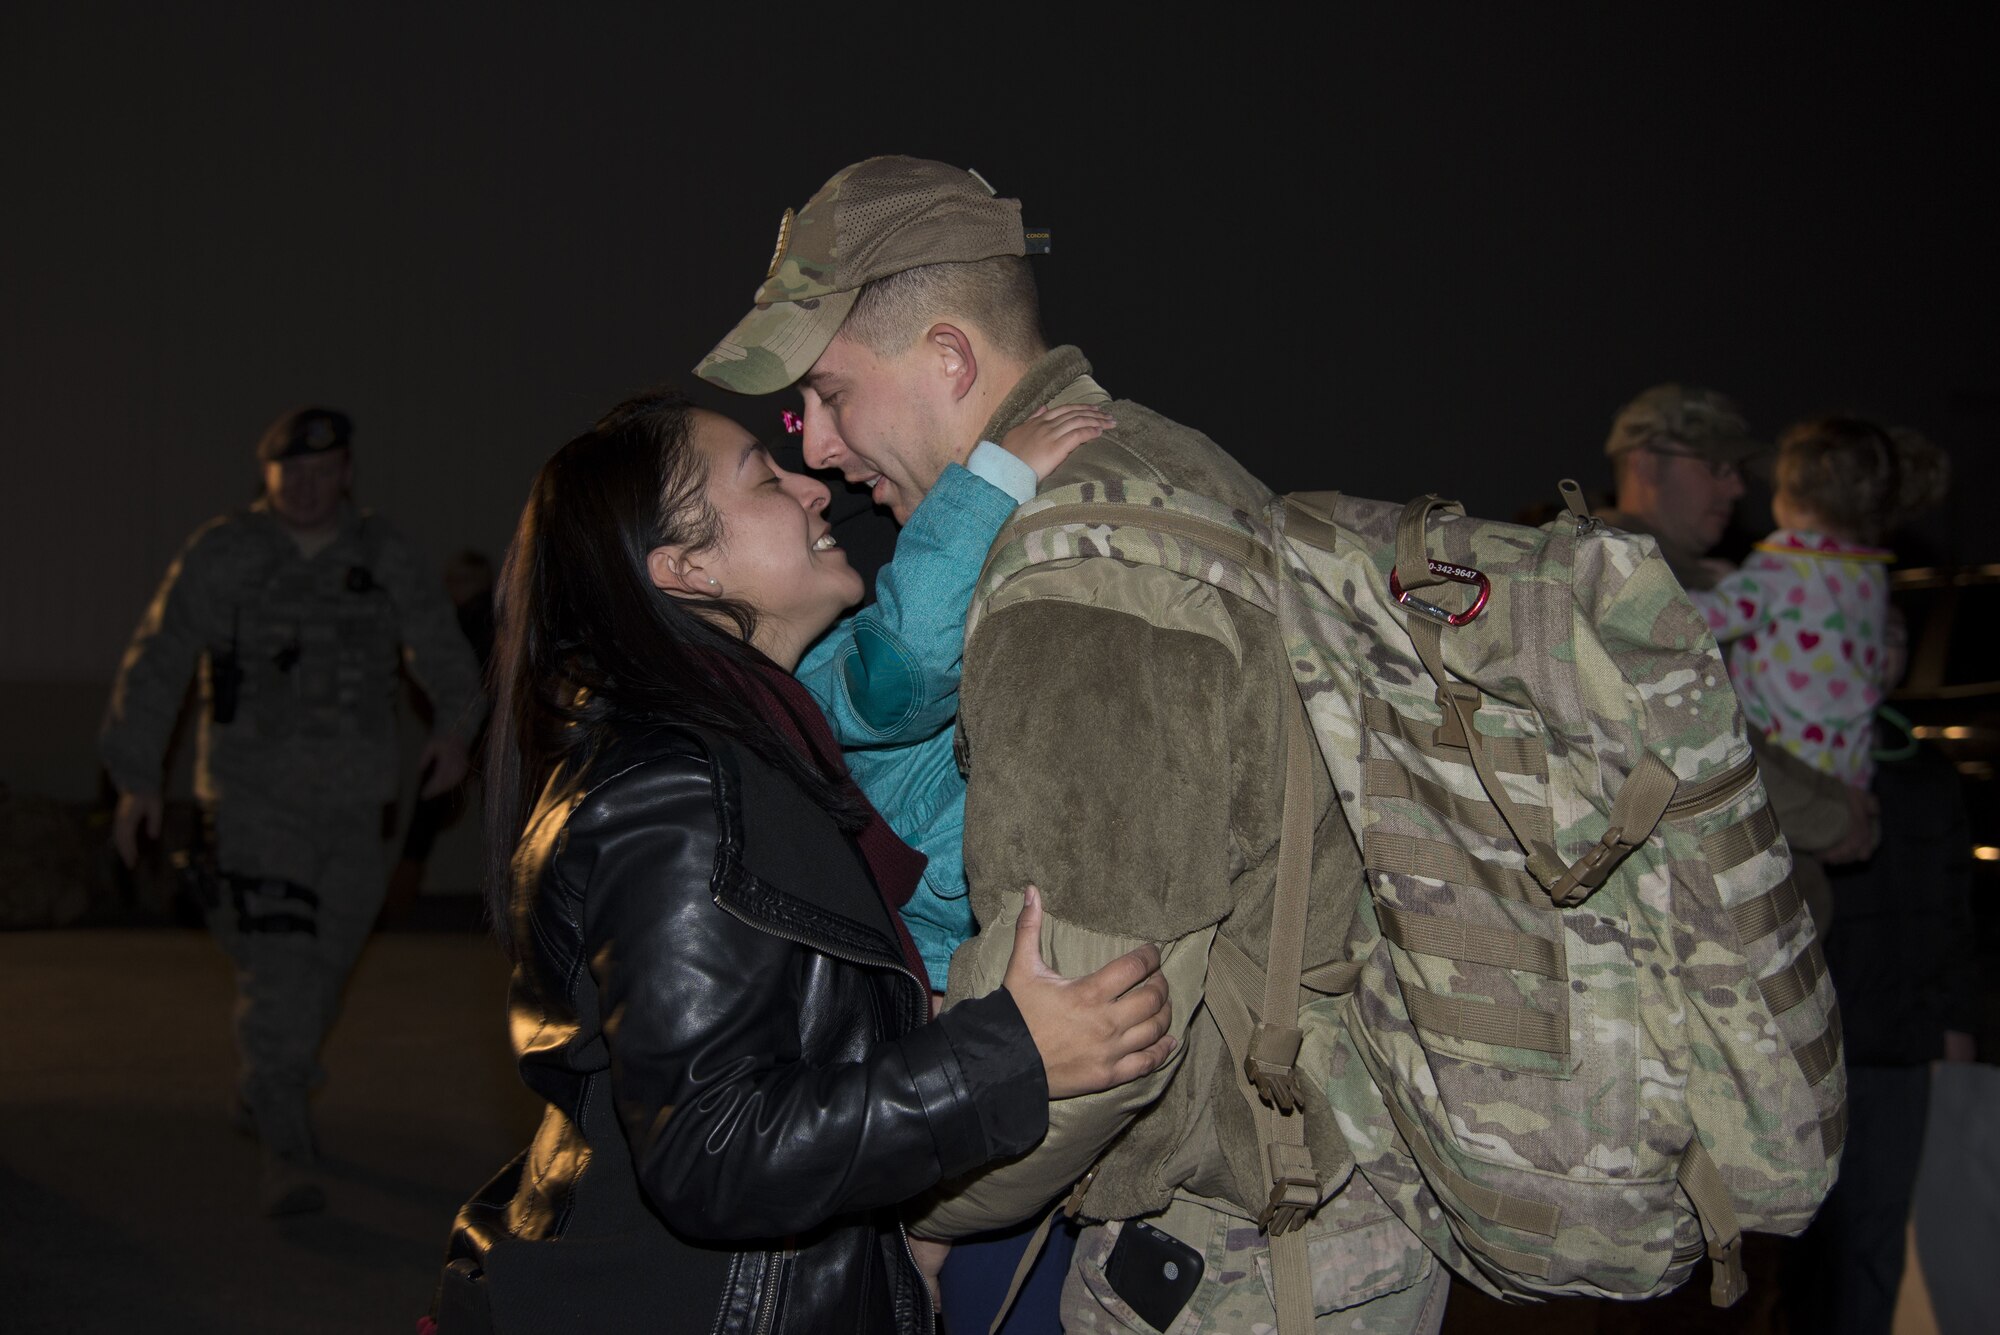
(1806, 619)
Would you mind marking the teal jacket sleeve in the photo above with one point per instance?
(889, 673)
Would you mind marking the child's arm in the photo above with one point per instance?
(1745, 599)
(889, 673)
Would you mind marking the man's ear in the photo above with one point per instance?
(1634, 472)
(955, 358)
(672, 572)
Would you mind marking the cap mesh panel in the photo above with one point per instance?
(893, 219)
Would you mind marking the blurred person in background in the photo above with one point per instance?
(1900, 947)
(299, 614)
(1807, 618)
(1677, 457)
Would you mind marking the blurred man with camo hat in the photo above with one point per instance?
(1677, 458)
(1119, 727)
(1677, 454)
(299, 614)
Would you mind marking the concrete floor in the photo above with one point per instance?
(127, 1203)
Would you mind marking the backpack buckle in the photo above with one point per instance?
(1457, 574)
(1593, 869)
(1726, 1281)
(1274, 1049)
(1451, 732)
(1294, 1189)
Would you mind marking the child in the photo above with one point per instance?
(887, 677)
(1807, 617)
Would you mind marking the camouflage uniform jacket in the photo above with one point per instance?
(319, 642)
(1121, 730)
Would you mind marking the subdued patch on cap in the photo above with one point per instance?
(305, 431)
(1687, 418)
(873, 219)
(1037, 240)
(778, 251)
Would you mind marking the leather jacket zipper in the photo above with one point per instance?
(774, 1278)
(923, 1289)
(766, 1317)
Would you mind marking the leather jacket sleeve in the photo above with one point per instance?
(734, 1132)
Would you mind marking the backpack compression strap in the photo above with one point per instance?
(1268, 1052)
(1641, 800)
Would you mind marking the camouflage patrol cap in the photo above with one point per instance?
(871, 220)
(305, 431)
(1694, 420)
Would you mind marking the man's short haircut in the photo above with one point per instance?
(998, 295)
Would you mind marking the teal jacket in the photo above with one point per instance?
(887, 679)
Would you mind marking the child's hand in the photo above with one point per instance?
(1046, 439)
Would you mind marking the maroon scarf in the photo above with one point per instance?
(790, 708)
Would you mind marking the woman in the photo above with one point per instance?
(712, 989)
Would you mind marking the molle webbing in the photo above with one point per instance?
(1757, 918)
(1736, 844)
(1471, 943)
(1488, 1022)
(1795, 982)
(1408, 855)
(1509, 755)
(1388, 779)
(1817, 1057)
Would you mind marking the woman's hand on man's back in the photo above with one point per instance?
(1096, 1031)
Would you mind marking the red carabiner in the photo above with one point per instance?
(1458, 575)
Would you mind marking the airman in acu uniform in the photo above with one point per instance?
(298, 613)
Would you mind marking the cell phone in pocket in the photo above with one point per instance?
(1154, 1272)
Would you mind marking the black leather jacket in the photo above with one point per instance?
(742, 1084)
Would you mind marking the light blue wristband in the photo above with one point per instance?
(997, 465)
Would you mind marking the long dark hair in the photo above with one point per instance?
(586, 641)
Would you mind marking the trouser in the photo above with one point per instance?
(1846, 1269)
(292, 952)
(1369, 1273)
(979, 1270)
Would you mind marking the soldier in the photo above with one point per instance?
(1677, 457)
(299, 612)
(1122, 744)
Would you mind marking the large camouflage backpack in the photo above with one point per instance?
(1583, 1034)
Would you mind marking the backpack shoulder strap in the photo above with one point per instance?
(1146, 524)
(1193, 538)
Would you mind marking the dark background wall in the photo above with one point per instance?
(1420, 248)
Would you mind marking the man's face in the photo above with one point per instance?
(1696, 497)
(882, 421)
(306, 490)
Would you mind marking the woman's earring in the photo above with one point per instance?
(713, 585)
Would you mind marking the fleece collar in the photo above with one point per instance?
(1061, 376)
